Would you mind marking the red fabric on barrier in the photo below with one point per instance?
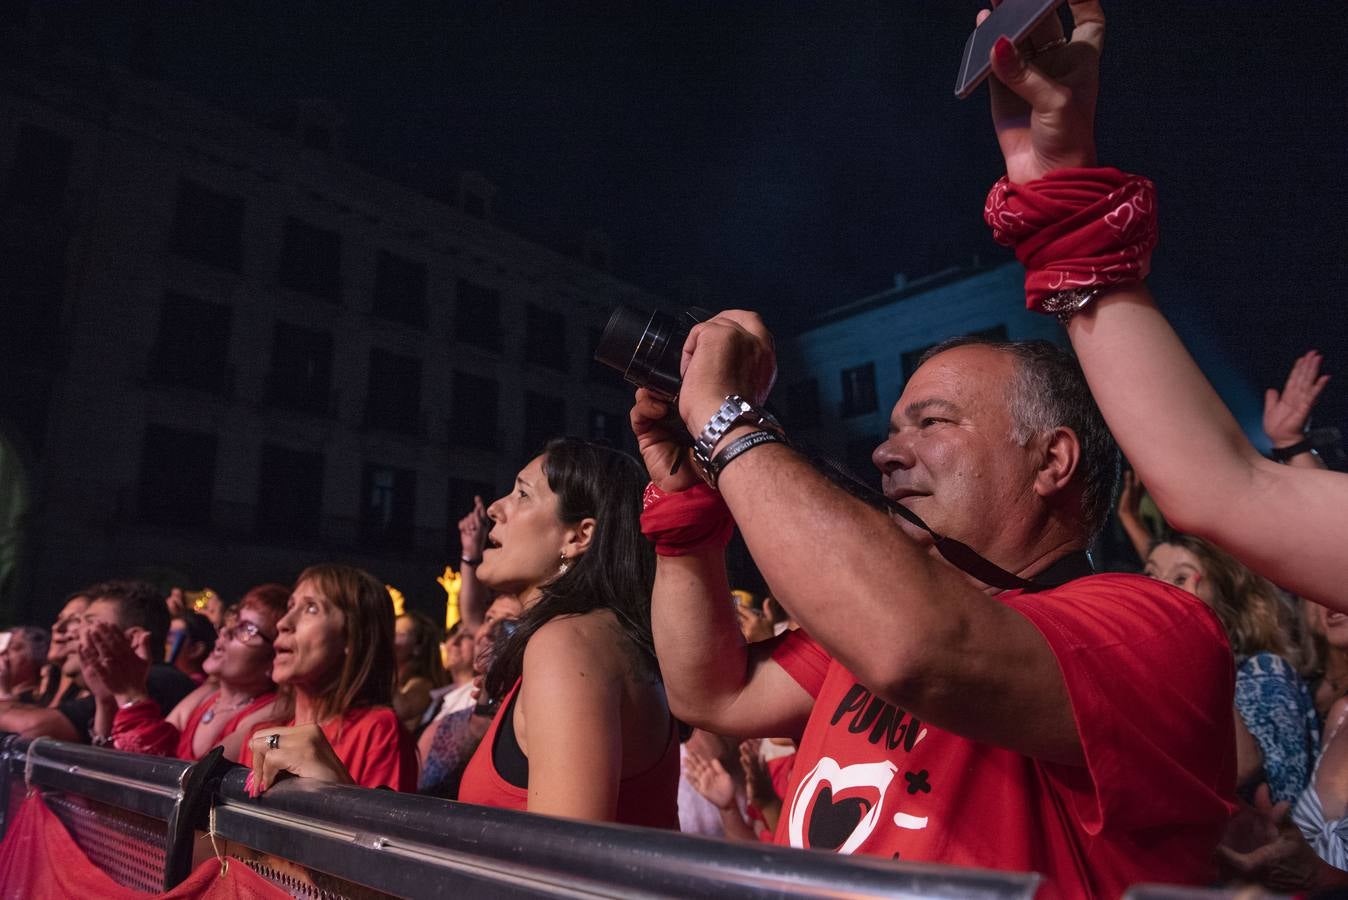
(39, 860)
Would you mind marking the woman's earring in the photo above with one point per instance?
(566, 564)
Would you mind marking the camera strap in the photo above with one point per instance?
(960, 555)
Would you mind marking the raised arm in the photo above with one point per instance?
(712, 678)
(1207, 479)
(474, 596)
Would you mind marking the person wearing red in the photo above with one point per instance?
(334, 658)
(582, 729)
(964, 690)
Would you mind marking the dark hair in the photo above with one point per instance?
(425, 659)
(368, 667)
(616, 572)
(1050, 391)
(38, 640)
(199, 628)
(139, 605)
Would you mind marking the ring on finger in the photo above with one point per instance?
(1032, 51)
(273, 741)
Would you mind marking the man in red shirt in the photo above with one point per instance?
(1081, 728)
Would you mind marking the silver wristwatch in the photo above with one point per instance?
(734, 410)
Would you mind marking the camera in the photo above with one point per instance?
(647, 349)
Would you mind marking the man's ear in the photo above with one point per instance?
(578, 537)
(1058, 460)
(139, 639)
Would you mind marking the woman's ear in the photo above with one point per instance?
(578, 537)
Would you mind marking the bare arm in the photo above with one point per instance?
(34, 721)
(474, 596)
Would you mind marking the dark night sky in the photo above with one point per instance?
(792, 156)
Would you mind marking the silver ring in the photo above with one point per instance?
(273, 741)
(1032, 51)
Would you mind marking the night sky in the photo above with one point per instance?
(789, 157)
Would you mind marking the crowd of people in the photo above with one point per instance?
(949, 681)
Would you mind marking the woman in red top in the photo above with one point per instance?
(583, 729)
(334, 657)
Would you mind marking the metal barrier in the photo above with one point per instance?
(144, 820)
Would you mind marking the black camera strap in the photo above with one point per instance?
(960, 555)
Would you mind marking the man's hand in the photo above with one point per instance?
(473, 530)
(301, 750)
(731, 353)
(1043, 100)
(114, 665)
(1286, 413)
(661, 444)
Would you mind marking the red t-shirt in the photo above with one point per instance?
(1151, 681)
(371, 743)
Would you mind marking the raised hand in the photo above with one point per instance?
(1286, 413)
(1043, 100)
(662, 444)
(473, 530)
(112, 664)
(731, 353)
(710, 779)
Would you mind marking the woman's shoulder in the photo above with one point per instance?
(592, 636)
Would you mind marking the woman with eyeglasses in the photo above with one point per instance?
(210, 716)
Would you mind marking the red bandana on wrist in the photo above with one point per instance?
(1075, 228)
(685, 522)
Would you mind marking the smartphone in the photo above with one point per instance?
(1014, 19)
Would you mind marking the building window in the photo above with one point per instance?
(477, 315)
(311, 260)
(802, 403)
(461, 494)
(858, 390)
(301, 369)
(610, 428)
(913, 358)
(41, 169)
(545, 338)
(192, 348)
(473, 417)
(400, 289)
(289, 493)
(394, 399)
(177, 476)
(544, 419)
(208, 226)
(388, 508)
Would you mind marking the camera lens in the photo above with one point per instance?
(646, 349)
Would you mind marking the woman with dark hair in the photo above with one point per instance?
(583, 729)
(416, 647)
(335, 664)
(1273, 704)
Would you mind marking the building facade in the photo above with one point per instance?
(226, 353)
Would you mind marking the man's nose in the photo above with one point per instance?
(894, 452)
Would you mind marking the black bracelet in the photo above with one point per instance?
(739, 445)
(1283, 454)
(470, 562)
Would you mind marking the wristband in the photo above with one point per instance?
(1283, 454)
(470, 562)
(685, 522)
(738, 446)
(735, 409)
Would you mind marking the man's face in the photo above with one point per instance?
(950, 456)
(61, 644)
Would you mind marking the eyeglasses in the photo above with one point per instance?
(244, 633)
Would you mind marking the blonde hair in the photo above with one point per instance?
(1246, 604)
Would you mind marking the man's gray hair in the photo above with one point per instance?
(1049, 391)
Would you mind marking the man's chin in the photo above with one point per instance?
(915, 534)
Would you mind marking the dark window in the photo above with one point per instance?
(311, 260)
(461, 494)
(477, 315)
(192, 348)
(400, 289)
(388, 508)
(208, 226)
(858, 390)
(394, 400)
(610, 428)
(289, 493)
(41, 168)
(544, 419)
(545, 338)
(473, 419)
(301, 369)
(913, 358)
(802, 403)
(177, 476)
